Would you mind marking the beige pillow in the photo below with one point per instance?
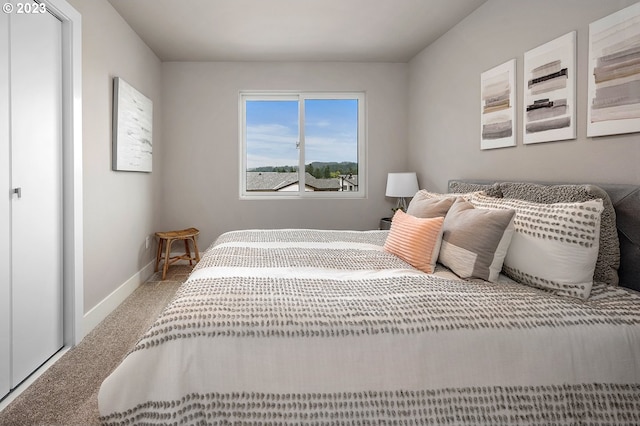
(433, 204)
(426, 204)
(415, 240)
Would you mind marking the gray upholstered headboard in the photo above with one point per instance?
(626, 202)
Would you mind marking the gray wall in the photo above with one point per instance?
(200, 130)
(422, 116)
(444, 100)
(120, 208)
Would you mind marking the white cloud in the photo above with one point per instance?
(331, 149)
(318, 123)
(271, 145)
(275, 145)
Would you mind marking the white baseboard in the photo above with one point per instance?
(99, 312)
(90, 320)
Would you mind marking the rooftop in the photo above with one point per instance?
(275, 181)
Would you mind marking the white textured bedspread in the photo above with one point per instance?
(325, 327)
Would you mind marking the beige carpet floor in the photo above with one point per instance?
(66, 394)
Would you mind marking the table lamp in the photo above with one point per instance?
(401, 185)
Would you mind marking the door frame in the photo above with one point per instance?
(73, 268)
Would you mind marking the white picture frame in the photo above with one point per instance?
(549, 91)
(132, 147)
(614, 80)
(497, 106)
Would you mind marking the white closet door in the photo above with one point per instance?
(36, 207)
(5, 234)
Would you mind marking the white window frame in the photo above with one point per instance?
(301, 193)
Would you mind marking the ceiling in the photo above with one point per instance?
(291, 30)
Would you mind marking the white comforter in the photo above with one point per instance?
(303, 326)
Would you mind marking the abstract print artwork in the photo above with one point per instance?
(550, 90)
(497, 95)
(132, 128)
(614, 73)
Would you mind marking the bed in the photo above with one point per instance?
(302, 326)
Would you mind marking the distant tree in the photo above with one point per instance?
(327, 172)
(310, 169)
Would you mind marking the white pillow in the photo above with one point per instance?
(554, 246)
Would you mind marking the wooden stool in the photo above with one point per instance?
(168, 238)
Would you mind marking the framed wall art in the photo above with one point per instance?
(497, 109)
(614, 74)
(550, 91)
(132, 146)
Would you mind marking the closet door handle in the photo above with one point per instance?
(18, 192)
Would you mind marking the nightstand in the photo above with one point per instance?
(385, 223)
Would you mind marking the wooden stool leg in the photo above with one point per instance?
(187, 251)
(167, 257)
(195, 247)
(158, 254)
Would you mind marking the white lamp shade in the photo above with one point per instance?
(402, 184)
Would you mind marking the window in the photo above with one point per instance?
(302, 145)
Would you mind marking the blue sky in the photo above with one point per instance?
(331, 127)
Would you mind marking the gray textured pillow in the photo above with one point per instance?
(427, 205)
(608, 260)
(475, 241)
(458, 187)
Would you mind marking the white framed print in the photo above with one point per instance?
(549, 91)
(614, 74)
(132, 146)
(497, 109)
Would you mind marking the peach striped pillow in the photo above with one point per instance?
(415, 240)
